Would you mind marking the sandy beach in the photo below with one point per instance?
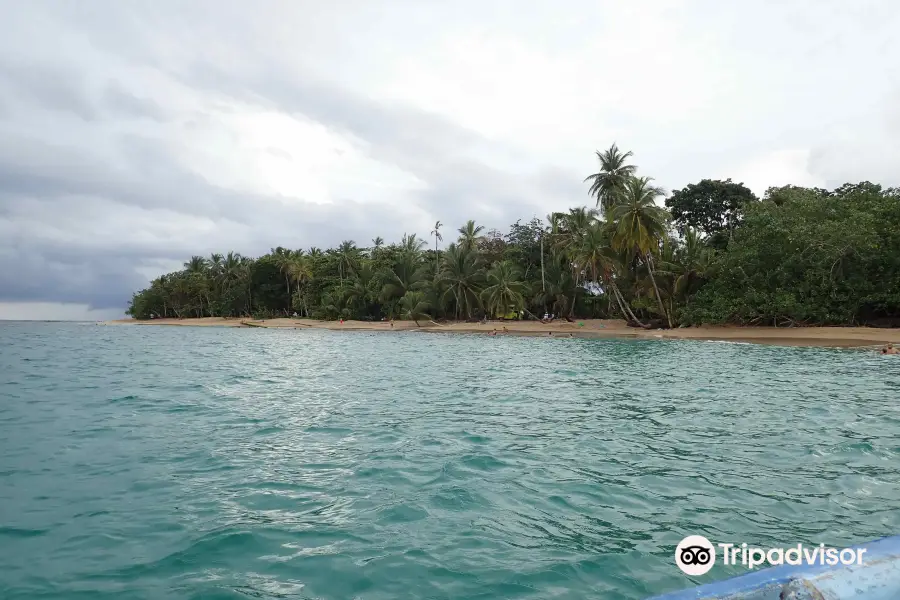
(587, 328)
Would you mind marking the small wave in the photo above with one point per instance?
(268, 430)
(123, 398)
(19, 532)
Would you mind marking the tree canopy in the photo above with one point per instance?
(714, 208)
(714, 254)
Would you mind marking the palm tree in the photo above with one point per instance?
(414, 306)
(215, 263)
(359, 293)
(347, 254)
(554, 296)
(460, 278)
(215, 275)
(505, 290)
(608, 184)
(569, 230)
(283, 260)
(377, 243)
(410, 244)
(468, 234)
(299, 270)
(334, 304)
(436, 232)
(197, 264)
(595, 253)
(405, 275)
(687, 265)
(640, 225)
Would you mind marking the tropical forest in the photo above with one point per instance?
(709, 253)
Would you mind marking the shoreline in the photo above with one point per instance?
(825, 337)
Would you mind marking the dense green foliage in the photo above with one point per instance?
(718, 254)
(810, 256)
(714, 208)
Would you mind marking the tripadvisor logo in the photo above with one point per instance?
(696, 555)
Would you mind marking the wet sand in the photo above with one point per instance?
(586, 328)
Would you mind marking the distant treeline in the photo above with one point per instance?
(715, 254)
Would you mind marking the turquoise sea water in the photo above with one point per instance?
(167, 462)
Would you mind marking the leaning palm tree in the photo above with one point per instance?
(468, 234)
(599, 260)
(414, 306)
(436, 232)
(608, 184)
(640, 225)
(506, 290)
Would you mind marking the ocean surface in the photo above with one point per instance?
(170, 462)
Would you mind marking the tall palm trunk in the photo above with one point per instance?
(662, 307)
(543, 284)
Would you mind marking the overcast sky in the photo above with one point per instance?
(136, 134)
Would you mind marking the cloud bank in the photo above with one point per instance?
(134, 136)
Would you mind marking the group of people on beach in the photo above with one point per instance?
(889, 349)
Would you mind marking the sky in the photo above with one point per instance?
(134, 135)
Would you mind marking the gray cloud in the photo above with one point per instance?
(126, 148)
(127, 104)
(46, 85)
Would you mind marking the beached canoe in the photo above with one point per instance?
(878, 578)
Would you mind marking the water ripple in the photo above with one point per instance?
(148, 462)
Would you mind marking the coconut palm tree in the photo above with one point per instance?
(460, 279)
(687, 265)
(197, 265)
(468, 234)
(359, 292)
(334, 305)
(348, 256)
(377, 243)
(608, 184)
(640, 226)
(505, 290)
(436, 232)
(299, 270)
(597, 256)
(556, 293)
(412, 245)
(569, 230)
(405, 275)
(283, 258)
